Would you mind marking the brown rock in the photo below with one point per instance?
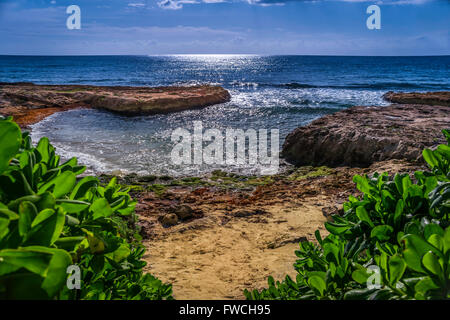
(184, 212)
(439, 98)
(249, 213)
(168, 220)
(15, 98)
(360, 136)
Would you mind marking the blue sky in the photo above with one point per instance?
(321, 27)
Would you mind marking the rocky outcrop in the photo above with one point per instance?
(440, 98)
(360, 136)
(16, 98)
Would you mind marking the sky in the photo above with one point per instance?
(268, 27)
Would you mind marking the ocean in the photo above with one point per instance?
(268, 92)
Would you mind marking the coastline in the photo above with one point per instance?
(215, 158)
(251, 225)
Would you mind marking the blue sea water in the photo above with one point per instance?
(270, 92)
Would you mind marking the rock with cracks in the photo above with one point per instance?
(360, 136)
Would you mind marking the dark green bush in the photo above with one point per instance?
(51, 219)
(398, 226)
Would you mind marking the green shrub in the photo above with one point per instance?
(51, 219)
(399, 226)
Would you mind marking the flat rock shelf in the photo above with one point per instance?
(29, 103)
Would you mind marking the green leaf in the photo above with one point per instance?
(72, 221)
(447, 240)
(430, 184)
(399, 212)
(69, 243)
(412, 227)
(431, 263)
(46, 227)
(317, 235)
(14, 205)
(8, 214)
(14, 259)
(437, 241)
(100, 209)
(47, 201)
(425, 285)
(112, 182)
(120, 253)
(431, 229)
(62, 184)
(4, 224)
(362, 214)
(331, 252)
(10, 140)
(360, 276)
(50, 264)
(27, 213)
(397, 267)
(444, 150)
(398, 183)
(446, 133)
(43, 147)
(56, 272)
(336, 228)
(382, 294)
(73, 206)
(430, 158)
(96, 245)
(416, 248)
(382, 232)
(387, 198)
(83, 186)
(128, 210)
(406, 184)
(358, 294)
(362, 183)
(317, 283)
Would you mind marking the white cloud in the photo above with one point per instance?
(136, 5)
(174, 4)
(178, 4)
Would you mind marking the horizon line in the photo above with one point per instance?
(213, 54)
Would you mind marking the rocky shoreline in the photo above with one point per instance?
(215, 235)
(439, 98)
(360, 136)
(29, 103)
(251, 225)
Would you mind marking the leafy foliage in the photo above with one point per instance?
(399, 226)
(51, 219)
